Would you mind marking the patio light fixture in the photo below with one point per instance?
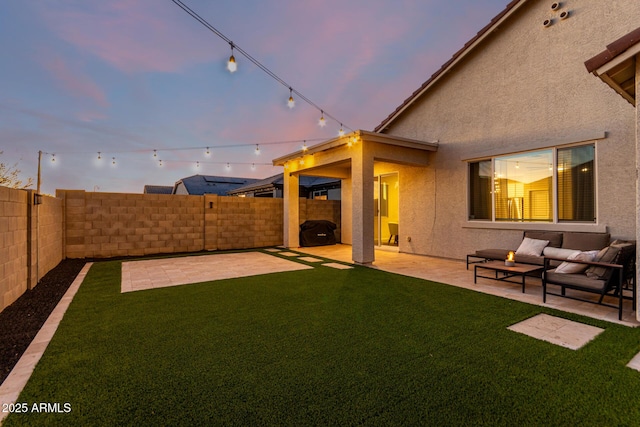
(291, 103)
(232, 66)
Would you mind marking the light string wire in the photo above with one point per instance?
(257, 63)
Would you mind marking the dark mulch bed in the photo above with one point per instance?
(21, 321)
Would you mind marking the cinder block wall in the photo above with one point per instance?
(50, 223)
(14, 206)
(102, 225)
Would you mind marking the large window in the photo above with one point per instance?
(520, 187)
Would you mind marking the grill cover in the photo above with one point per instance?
(317, 233)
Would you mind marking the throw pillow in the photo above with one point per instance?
(532, 247)
(607, 255)
(550, 251)
(572, 267)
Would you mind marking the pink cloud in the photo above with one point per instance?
(75, 81)
(138, 36)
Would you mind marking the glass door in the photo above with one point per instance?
(386, 209)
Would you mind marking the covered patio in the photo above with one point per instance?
(355, 159)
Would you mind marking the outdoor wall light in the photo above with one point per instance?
(37, 199)
(210, 205)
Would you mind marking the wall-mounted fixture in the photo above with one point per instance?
(547, 22)
(210, 205)
(37, 199)
(555, 6)
(564, 14)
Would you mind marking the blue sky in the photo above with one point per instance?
(125, 78)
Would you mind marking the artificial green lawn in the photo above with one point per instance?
(321, 347)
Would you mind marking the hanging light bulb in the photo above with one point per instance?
(322, 122)
(99, 155)
(253, 166)
(228, 166)
(197, 164)
(341, 131)
(291, 102)
(155, 153)
(53, 157)
(207, 152)
(231, 65)
(160, 163)
(113, 161)
(257, 150)
(304, 146)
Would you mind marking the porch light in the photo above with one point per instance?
(510, 261)
(231, 65)
(291, 102)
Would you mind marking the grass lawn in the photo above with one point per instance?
(322, 347)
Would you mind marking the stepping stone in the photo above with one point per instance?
(289, 254)
(272, 250)
(635, 363)
(338, 266)
(562, 332)
(309, 259)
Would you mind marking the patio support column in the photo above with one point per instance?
(362, 204)
(290, 194)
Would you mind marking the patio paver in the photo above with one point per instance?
(164, 272)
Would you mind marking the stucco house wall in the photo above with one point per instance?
(523, 87)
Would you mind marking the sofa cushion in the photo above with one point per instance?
(531, 247)
(559, 252)
(554, 237)
(493, 253)
(577, 281)
(529, 259)
(585, 241)
(572, 267)
(607, 255)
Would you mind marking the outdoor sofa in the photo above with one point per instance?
(611, 271)
(577, 241)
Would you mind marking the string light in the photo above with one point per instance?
(207, 152)
(291, 102)
(341, 131)
(228, 166)
(155, 153)
(197, 164)
(99, 155)
(257, 150)
(160, 163)
(53, 157)
(257, 63)
(253, 166)
(304, 146)
(113, 161)
(232, 66)
(322, 122)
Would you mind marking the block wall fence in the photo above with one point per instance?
(80, 224)
(31, 241)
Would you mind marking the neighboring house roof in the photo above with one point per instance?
(616, 65)
(457, 57)
(158, 189)
(209, 184)
(278, 180)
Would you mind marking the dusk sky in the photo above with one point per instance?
(127, 77)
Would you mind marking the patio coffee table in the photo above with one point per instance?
(504, 273)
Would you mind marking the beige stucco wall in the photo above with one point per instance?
(525, 86)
